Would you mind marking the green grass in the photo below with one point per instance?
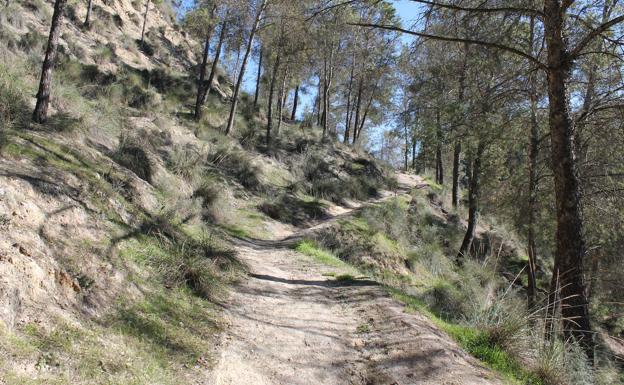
(312, 249)
(474, 341)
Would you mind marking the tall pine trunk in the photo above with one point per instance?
(568, 274)
(413, 152)
(239, 80)
(257, 93)
(347, 132)
(473, 203)
(532, 203)
(40, 114)
(147, 4)
(269, 127)
(456, 164)
(439, 165)
(282, 98)
(532, 193)
(458, 145)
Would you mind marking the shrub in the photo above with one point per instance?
(238, 164)
(134, 157)
(196, 264)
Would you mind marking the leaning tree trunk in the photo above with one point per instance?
(568, 273)
(239, 80)
(147, 4)
(202, 76)
(215, 61)
(293, 114)
(87, 22)
(473, 204)
(40, 114)
(258, 78)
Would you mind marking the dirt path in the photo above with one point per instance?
(290, 324)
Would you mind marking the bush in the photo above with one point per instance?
(238, 164)
(196, 264)
(134, 157)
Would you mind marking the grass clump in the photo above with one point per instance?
(291, 209)
(321, 255)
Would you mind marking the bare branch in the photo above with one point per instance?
(501, 47)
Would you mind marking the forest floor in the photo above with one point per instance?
(293, 322)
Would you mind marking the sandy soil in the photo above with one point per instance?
(291, 324)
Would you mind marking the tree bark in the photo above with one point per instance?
(87, 22)
(293, 114)
(568, 274)
(473, 204)
(40, 114)
(239, 80)
(258, 78)
(147, 4)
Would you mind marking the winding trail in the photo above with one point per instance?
(289, 324)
